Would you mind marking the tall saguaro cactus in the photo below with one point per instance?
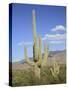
(38, 60)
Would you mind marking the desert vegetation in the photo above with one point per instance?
(26, 77)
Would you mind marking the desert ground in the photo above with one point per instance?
(22, 72)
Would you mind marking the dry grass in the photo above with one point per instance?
(26, 77)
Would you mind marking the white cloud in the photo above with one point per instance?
(57, 42)
(51, 38)
(55, 36)
(58, 28)
(25, 43)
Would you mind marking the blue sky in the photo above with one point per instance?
(50, 25)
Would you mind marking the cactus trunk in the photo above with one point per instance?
(36, 72)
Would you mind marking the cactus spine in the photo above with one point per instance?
(38, 61)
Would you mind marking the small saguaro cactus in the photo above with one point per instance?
(38, 60)
(55, 70)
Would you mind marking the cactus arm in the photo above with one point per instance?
(45, 57)
(40, 50)
(52, 71)
(26, 57)
(56, 68)
(30, 62)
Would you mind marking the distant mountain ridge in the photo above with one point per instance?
(51, 53)
(59, 56)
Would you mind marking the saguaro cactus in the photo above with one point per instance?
(38, 60)
(55, 70)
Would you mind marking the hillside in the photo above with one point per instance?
(59, 56)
